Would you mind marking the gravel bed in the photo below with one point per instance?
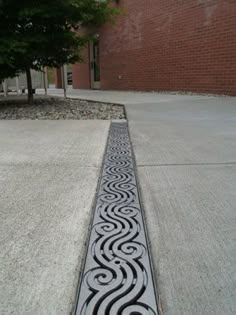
(59, 108)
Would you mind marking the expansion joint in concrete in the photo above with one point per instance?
(187, 164)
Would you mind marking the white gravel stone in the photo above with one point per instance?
(59, 108)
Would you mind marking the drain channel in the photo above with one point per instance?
(117, 278)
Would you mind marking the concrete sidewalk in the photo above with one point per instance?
(186, 158)
(125, 98)
(48, 176)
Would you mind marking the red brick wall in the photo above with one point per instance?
(81, 72)
(171, 45)
(58, 78)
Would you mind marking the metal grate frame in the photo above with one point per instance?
(117, 277)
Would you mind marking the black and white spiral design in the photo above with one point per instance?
(117, 277)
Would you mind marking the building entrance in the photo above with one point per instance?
(95, 65)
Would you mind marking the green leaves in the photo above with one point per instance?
(35, 34)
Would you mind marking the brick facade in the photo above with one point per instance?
(81, 72)
(168, 45)
(58, 78)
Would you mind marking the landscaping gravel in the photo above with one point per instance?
(59, 108)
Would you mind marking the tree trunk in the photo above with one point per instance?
(29, 86)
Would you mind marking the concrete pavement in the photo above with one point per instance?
(186, 158)
(122, 97)
(48, 177)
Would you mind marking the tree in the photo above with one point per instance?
(36, 34)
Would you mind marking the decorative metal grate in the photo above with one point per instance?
(117, 278)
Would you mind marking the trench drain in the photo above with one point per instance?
(117, 277)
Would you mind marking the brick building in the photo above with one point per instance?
(164, 45)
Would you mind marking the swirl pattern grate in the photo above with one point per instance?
(117, 278)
